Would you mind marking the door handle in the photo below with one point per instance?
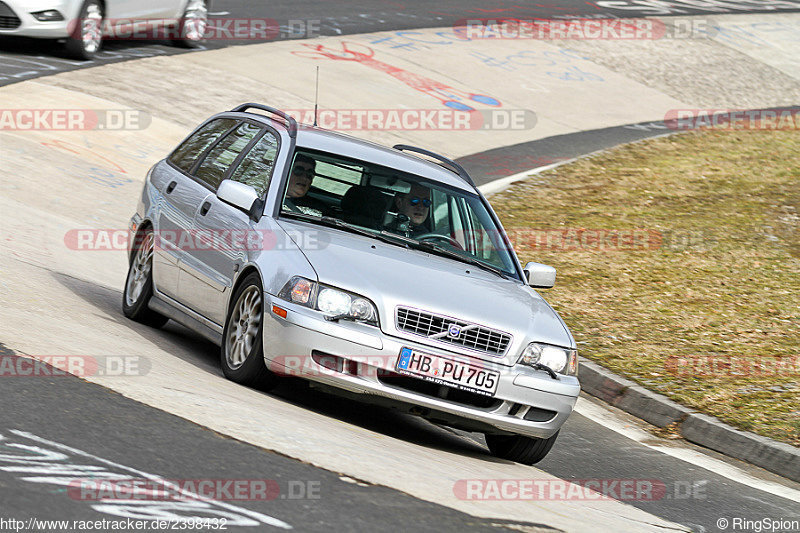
(204, 208)
(171, 187)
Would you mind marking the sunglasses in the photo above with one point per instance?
(415, 200)
(299, 171)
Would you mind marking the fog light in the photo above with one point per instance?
(50, 15)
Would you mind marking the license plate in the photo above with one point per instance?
(445, 371)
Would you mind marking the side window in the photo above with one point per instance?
(440, 212)
(213, 168)
(187, 153)
(256, 167)
(457, 223)
(479, 242)
(336, 179)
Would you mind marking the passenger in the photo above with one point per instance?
(413, 208)
(297, 199)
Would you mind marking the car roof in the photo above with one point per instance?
(315, 138)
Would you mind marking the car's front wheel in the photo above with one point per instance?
(242, 354)
(139, 283)
(192, 26)
(520, 449)
(86, 36)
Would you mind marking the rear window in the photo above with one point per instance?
(185, 156)
(216, 164)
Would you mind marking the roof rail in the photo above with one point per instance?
(455, 167)
(290, 122)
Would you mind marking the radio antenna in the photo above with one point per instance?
(316, 97)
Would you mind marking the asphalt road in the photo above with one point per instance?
(94, 427)
(71, 412)
(63, 426)
(22, 59)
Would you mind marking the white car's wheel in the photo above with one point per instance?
(86, 36)
(192, 26)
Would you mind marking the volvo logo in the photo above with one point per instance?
(454, 331)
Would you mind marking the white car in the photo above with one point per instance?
(84, 23)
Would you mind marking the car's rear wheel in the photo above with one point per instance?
(242, 354)
(520, 449)
(86, 36)
(139, 283)
(193, 24)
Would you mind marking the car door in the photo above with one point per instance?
(179, 196)
(207, 268)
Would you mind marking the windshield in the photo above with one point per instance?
(388, 202)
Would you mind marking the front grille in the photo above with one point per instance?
(452, 331)
(8, 19)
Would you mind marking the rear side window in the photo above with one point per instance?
(187, 153)
(213, 168)
(336, 178)
(256, 167)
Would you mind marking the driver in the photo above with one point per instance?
(413, 208)
(297, 199)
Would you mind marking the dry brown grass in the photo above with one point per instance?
(704, 305)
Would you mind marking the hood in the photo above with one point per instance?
(393, 276)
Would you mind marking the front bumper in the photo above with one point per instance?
(30, 27)
(291, 343)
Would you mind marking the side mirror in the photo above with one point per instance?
(539, 275)
(237, 194)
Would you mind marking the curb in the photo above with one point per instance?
(777, 457)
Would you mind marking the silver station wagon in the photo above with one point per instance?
(377, 273)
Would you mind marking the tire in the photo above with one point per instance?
(192, 26)
(86, 38)
(525, 450)
(241, 353)
(139, 283)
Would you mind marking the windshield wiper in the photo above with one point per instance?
(342, 225)
(430, 247)
(397, 240)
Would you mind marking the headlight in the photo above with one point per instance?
(333, 302)
(561, 360)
